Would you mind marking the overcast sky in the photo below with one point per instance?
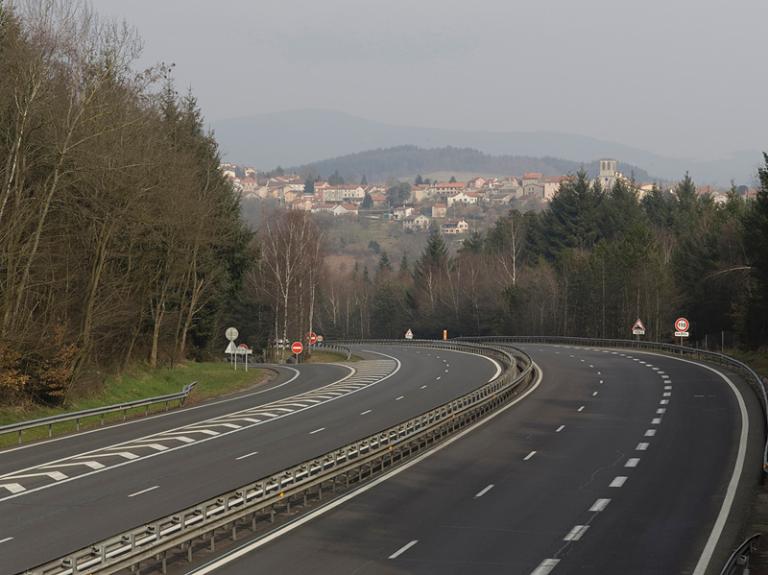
(678, 77)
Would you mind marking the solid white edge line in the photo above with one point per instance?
(156, 415)
(244, 550)
(131, 442)
(403, 549)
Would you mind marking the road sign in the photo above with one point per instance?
(320, 339)
(681, 327)
(242, 349)
(231, 348)
(409, 334)
(297, 347)
(312, 338)
(231, 333)
(638, 328)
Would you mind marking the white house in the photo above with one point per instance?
(467, 198)
(453, 228)
(420, 222)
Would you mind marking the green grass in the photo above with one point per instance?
(757, 360)
(214, 379)
(329, 357)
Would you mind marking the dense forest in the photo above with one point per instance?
(406, 161)
(589, 265)
(119, 239)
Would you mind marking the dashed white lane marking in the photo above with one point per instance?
(246, 455)
(317, 430)
(656, 421)
(580, 409)
(594, 394)
(6, 540)
(632, 462)
(664, 402)
(661, 410)
(559, 429)
(618, 481)
(650, 433)
(366, 412)
(642, 446)
(423, 387)
(545, 567)
(667, 394)
(592, 366)
(399, 397)
(667, 388)
(601, 381)
(599, 373)
(438, 377)
(576, 533)
(599, 505)
(483, 491)
(143, 491)
(403, 549)
(527, 457)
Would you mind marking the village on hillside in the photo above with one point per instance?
(455, 206)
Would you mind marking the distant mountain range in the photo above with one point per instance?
(384, 164)
(301, 137)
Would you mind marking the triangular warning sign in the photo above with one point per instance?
(409, 334)
(231, 348)
(639, 325)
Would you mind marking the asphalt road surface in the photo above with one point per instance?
(59, 496)
(618, 463)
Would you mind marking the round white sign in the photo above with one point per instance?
(231, 333)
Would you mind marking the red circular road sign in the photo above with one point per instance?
(297, 347)
(312, 338)
(681, 324)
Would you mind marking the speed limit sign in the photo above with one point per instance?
(681, 327)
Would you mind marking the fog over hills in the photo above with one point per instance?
(300, 137)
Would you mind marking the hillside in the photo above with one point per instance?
(407, 161)
(297, 137)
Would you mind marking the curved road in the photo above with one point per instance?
(59, 496)
(619, 462)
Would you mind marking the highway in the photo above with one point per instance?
(61, 495)
(618, 462)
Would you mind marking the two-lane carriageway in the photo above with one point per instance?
(618, 462)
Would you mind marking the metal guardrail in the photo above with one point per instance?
(260, 499)
(738, 562)
(752, 378)
(77, 416)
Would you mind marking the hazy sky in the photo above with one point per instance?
(678, 77)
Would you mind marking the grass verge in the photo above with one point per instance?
(329, 357)
(214, 379)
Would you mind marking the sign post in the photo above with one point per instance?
(681, 328)
(245, 351)
(231, 334)
(297, 347)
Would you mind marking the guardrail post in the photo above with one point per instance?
(77, 424)
(20, 431)
(50, 430)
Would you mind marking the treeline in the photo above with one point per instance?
(387, 164)
(119, 239)
(589, 265)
